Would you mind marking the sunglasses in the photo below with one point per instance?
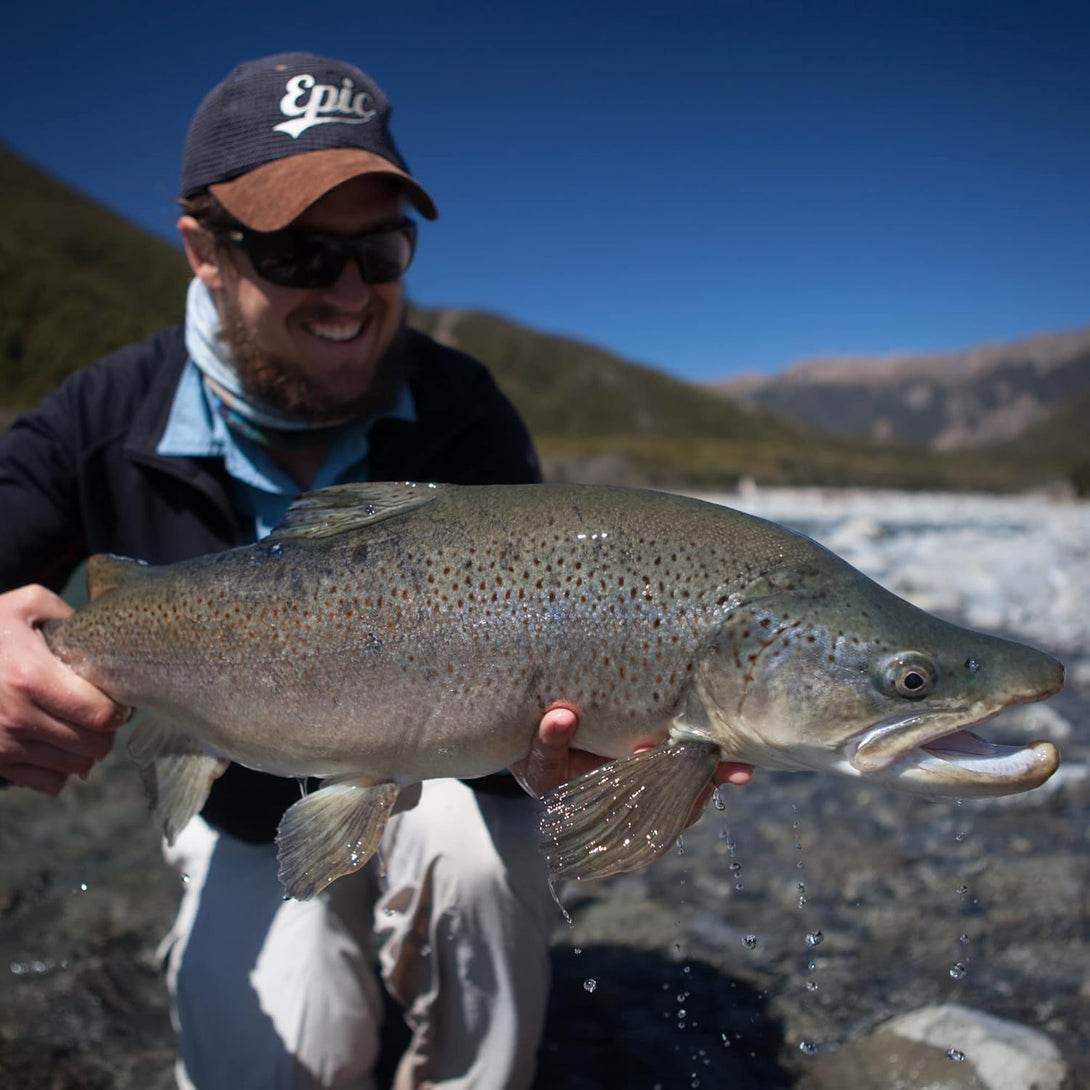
(309, 259)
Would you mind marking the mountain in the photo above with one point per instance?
(974, 398)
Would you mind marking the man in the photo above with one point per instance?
(294, 370)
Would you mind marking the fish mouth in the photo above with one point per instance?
(937, 759)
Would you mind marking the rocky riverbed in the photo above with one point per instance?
(766, 951)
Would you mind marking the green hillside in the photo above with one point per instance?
(567, 387)
(75, 281)
(1060, 445)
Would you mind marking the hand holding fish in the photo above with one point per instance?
(53, 723)
(553, 760)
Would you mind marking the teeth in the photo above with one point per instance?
(340, 331)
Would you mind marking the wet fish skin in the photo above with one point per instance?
(352, 643)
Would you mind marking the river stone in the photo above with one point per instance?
(943, 1047)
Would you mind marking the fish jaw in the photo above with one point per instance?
(938, 755)
(855, 681)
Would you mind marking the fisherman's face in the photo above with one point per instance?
(316, 352)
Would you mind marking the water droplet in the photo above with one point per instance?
(811, 986)
(957, 970)
(809, 1047)
(735, 867)
(681, 1013)
(577, 950)
(811, 966)
(425, 951)
(750, 942)
(963, 939)
(387, 912)
(961, 890)
(186, 879)
(83, 887)
(959, 837)
(590, 984)
(718, 800)
(955, 1055)
(814, 938)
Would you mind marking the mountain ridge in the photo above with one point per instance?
(964, 399)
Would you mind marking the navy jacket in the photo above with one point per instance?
(80, 475)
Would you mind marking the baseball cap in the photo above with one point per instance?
(282, 131)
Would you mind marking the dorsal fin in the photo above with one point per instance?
(327, 512)
(106, 572)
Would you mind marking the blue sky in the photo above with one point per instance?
(708, 186)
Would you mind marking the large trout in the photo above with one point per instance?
(388, 633)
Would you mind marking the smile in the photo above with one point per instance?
(336, 331)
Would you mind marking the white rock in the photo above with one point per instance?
(1005, 1055)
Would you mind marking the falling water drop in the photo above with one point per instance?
(955, 1055)
(750, 942)
(808, 1047)
(590, 984)
(957, 970)
(718, 800)
(814, 938)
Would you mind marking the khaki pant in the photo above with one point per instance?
(270, 994)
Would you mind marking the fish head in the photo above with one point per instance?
(818, 667)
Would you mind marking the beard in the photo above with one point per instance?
(281, 384)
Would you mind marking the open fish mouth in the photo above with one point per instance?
(957, 761)
(971, 755)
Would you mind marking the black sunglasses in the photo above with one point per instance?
(296, 258)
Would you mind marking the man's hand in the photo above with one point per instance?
(53, 724)
(552, 760)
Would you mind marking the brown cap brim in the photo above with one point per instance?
(271, 196)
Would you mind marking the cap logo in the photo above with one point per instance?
(323, 105)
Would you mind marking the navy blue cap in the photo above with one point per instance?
(278, 133)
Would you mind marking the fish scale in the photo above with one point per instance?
(386, 633)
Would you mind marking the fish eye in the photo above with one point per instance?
(910, 675)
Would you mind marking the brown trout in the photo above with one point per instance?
(389, 633)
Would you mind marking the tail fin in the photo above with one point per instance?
(106, 573)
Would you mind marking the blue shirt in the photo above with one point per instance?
(262, 489)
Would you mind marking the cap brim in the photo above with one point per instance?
(272, 195)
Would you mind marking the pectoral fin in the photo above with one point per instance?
(625, 814)
(331, 832)
(177, 772)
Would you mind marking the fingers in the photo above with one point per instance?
(37, 779)
(53, 723)
(733, 772)
(548, 764)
